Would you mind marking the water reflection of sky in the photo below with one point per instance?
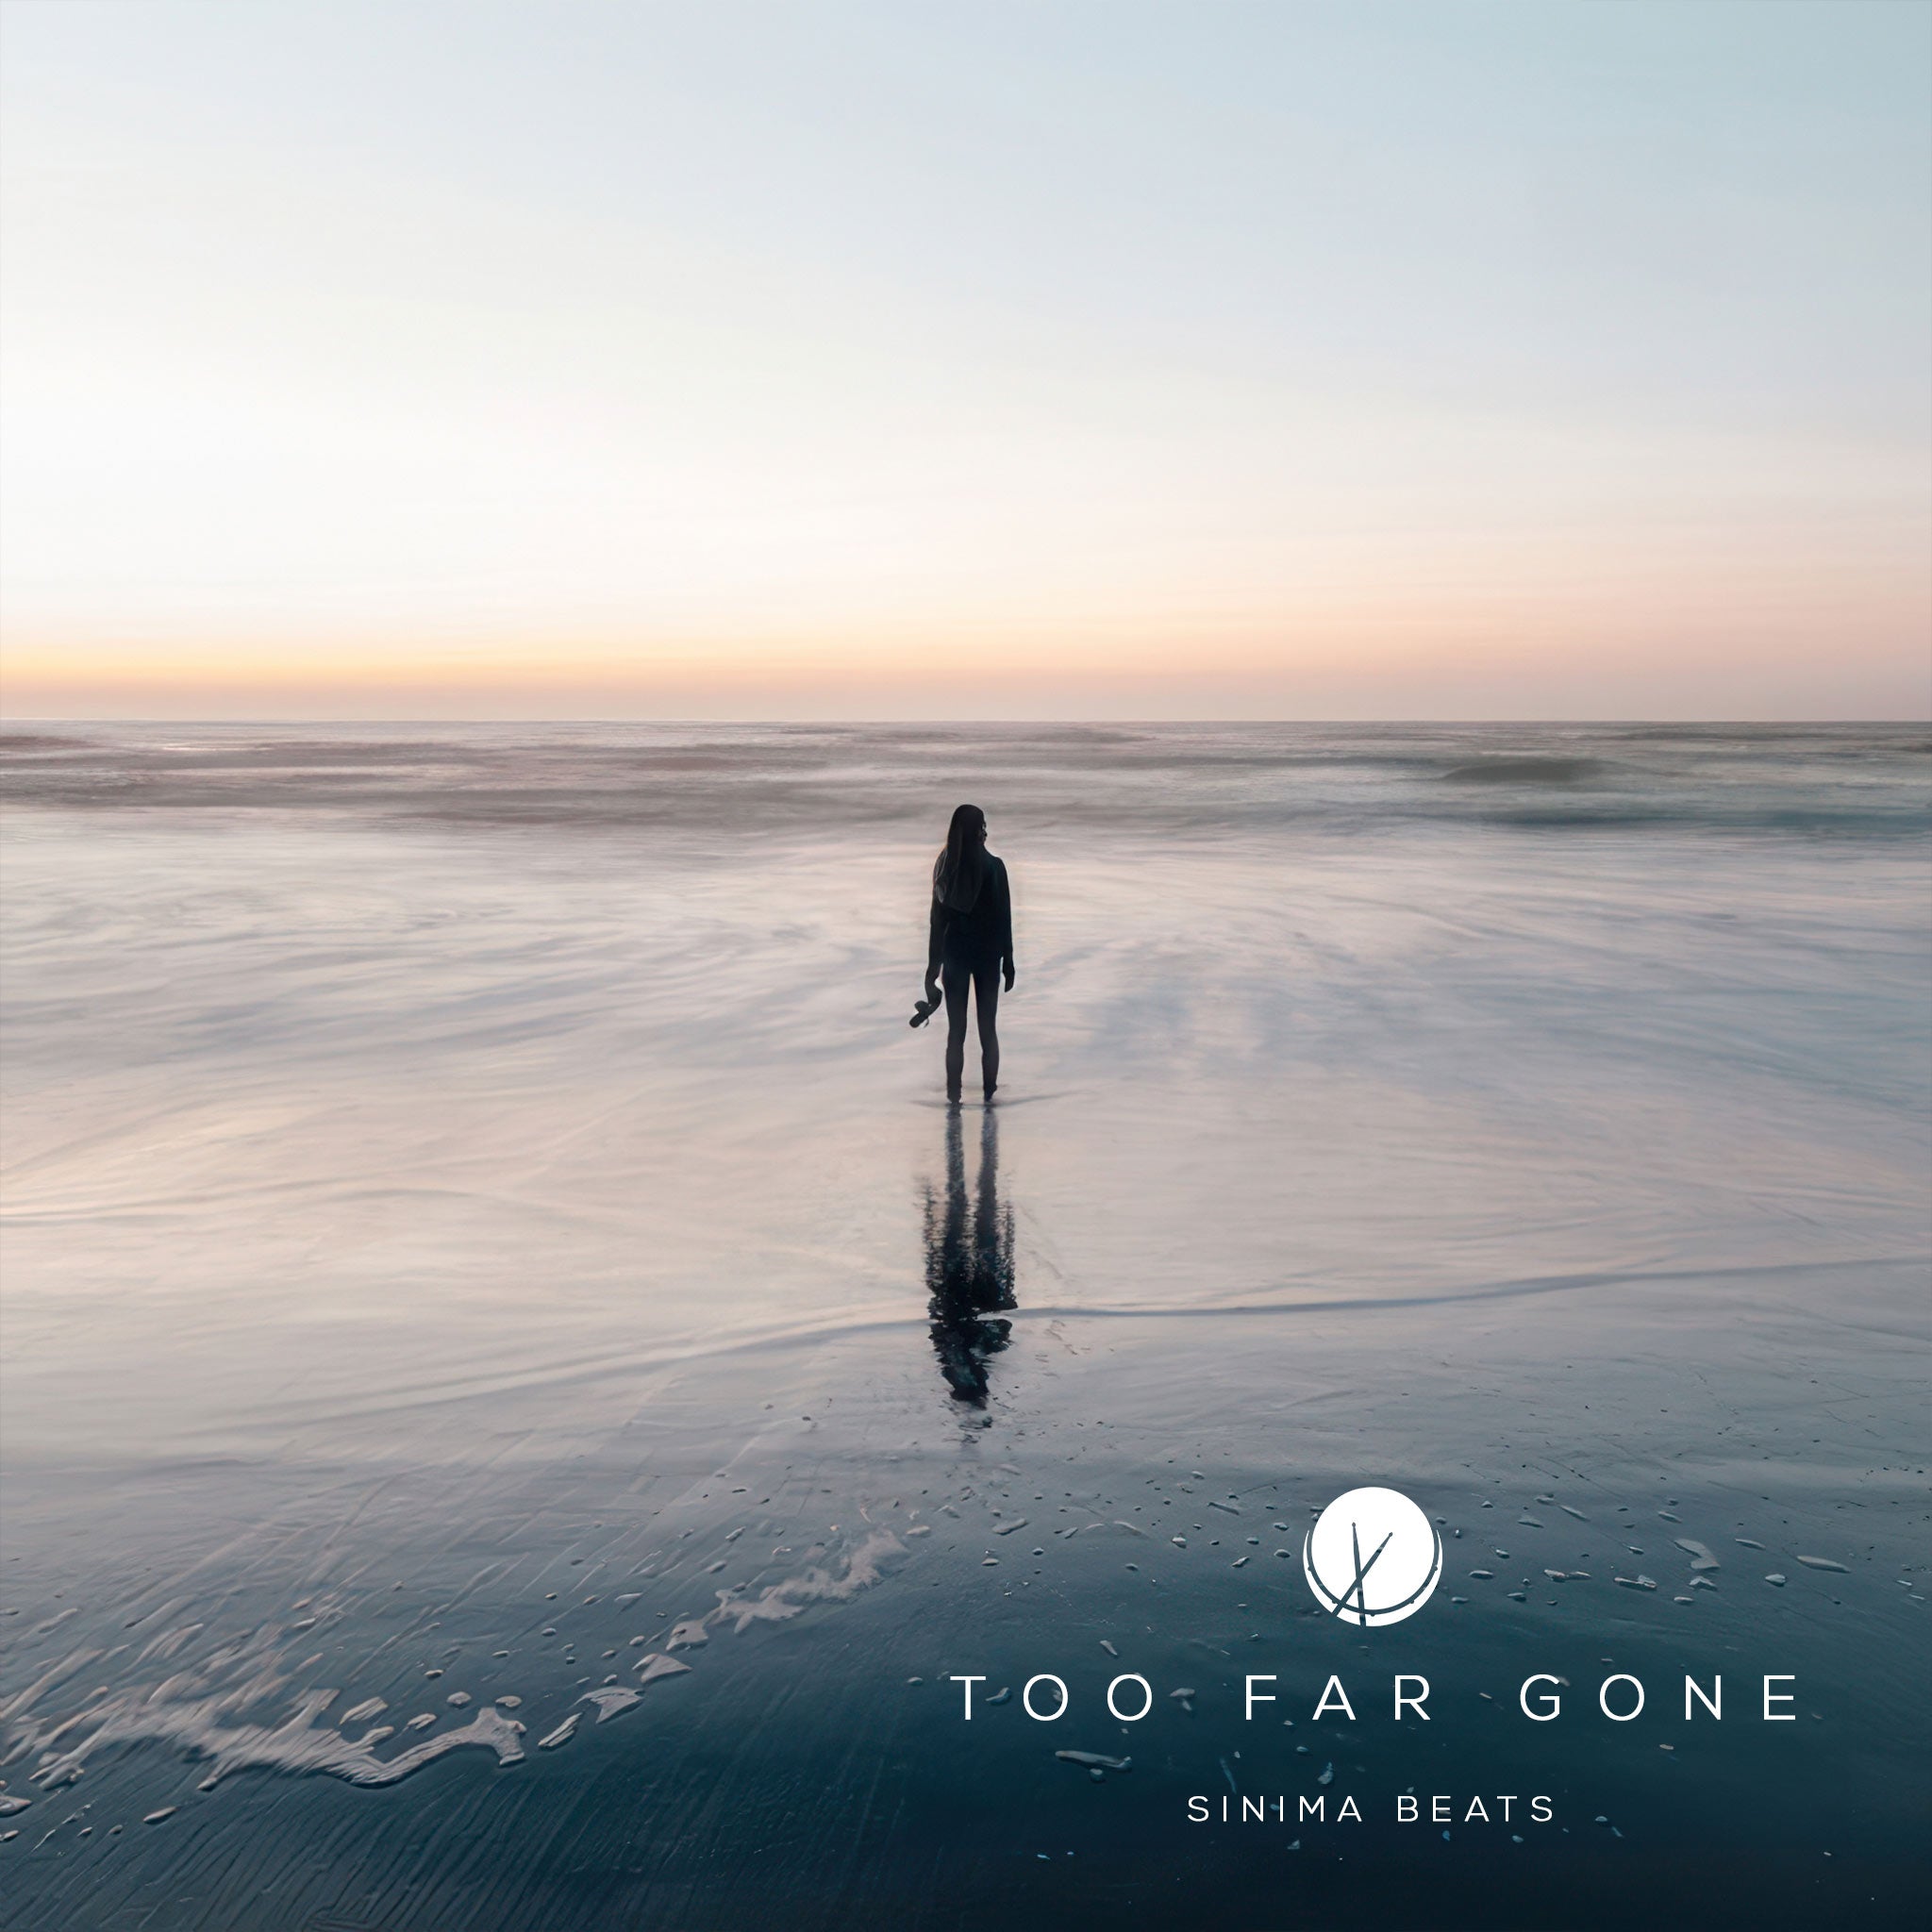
(486, 1199)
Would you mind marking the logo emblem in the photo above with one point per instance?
(1372, 1556)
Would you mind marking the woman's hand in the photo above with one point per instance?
(1008, 967)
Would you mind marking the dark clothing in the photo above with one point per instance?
(969, 948)
(982, 936)
(983, 978)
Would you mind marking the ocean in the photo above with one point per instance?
(519, 1398)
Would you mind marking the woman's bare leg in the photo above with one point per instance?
(986, 995)
(955, 980)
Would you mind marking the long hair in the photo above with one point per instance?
(961, 869)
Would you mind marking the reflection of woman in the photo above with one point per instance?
(972, 942)
(969, 1263)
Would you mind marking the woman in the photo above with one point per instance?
(972, 941)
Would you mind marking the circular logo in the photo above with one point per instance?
(1372, 1556)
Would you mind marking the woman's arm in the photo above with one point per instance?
(1005, 911)
(935, 934)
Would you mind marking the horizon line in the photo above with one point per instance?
(8, 722)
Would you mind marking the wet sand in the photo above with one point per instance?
(475, 1207)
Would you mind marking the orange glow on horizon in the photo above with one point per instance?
(1600, 631)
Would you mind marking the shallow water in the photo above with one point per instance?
(473, 1205)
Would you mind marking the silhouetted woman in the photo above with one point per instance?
(972, 943)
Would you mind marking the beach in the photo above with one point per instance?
(487, 1263)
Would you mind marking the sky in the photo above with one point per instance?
(1465, 358)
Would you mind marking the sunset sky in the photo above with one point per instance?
(1438, 360)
